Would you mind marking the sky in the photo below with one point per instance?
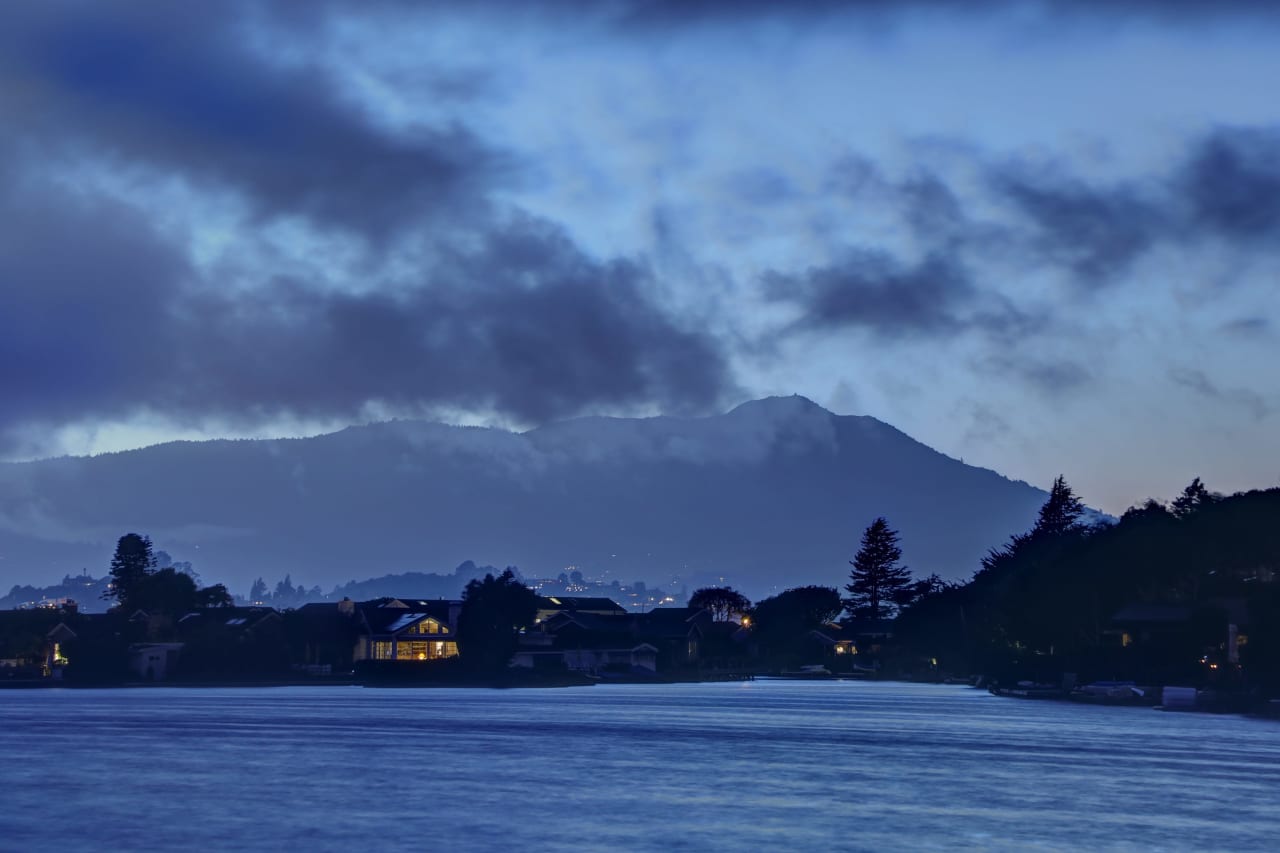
(1040, 237)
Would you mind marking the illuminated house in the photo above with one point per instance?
(407, 630)
(834, 639)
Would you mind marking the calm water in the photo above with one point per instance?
(763, 765)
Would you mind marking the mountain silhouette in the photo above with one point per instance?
(772, 494)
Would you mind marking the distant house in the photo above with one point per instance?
(677, 632)
(154, 661)
(1145, 623)
(834, 639)
(31, 642)
(549, 606)
(394, 629)
(601, 637)
(231, 642)
(229, 620)
(1216, 629)
(587, 642)
(323, 636)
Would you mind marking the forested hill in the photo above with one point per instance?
(771, 494)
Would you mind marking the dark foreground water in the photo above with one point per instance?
(767, 765)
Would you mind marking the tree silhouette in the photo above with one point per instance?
(724, 602)
(877, 581)
(494, 610)
(779, 624)
(1061, 512)
(132, 563)
(1193, 498)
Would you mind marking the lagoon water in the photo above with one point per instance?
(764, 765)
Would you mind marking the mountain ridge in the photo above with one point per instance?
(770, 494)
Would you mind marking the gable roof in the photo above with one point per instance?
(392, 616)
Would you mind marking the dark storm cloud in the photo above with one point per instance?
(1096, 234)
(83, 290)
(873, 291)
(174, 88)
(522, 323)
(104, 318)
(1226, 188)
(1231, 184)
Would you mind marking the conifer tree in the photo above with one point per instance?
(132, 563)
(1061, 512)
(1193, 498)
(877, 580)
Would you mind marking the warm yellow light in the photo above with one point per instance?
(422, 655)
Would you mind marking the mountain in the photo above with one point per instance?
(774, 493)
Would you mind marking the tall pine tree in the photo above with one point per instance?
(132, 563)
(878, 580)
(1061, 512)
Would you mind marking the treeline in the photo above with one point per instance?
(1183, 592)
(1044, 602)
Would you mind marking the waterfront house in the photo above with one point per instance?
(393, 629)
(834, 640)
(323, 636)
(32, 642)
(154, 661)
(677, 633)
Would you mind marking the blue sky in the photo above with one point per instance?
(1041, 237)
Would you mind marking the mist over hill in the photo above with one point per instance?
(772, 494)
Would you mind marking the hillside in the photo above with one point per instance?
(773, 493)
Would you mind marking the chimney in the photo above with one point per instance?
(346, 606)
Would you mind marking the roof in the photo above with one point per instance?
(235, 618)
(833, 633)
(590, 622)
(390, 616)
(578, 604)
(671, 622)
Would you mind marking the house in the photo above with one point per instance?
(236, 621)
(1145, 623)
(227, 642)
(834, 639)
(406, 629)
(549, 606)
(154, 661)
(677, 633)
(597, 637)
(1210, 632)
(589, 642)
(32, 641)
(323, 637)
